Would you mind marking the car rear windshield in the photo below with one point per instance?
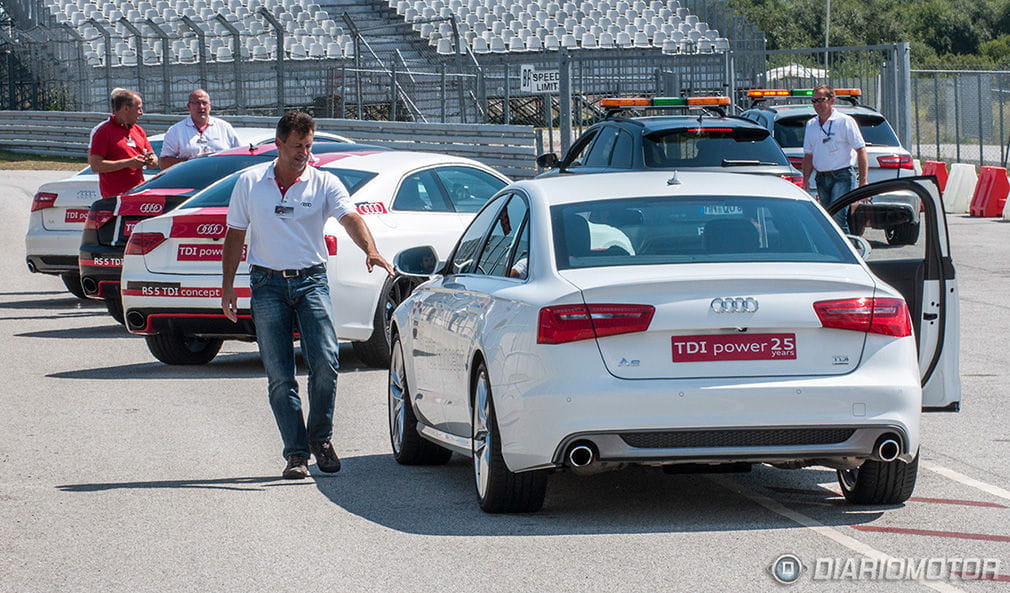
(875, 129)
(710, 146)
(219, 194)
(703, 229)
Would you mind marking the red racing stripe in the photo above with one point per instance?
(931, 532)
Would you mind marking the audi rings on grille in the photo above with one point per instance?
(734, 305)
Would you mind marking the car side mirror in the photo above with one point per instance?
(548, 160)
(416, 261)
(862, 245)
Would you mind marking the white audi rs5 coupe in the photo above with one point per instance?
(701, 320)
(171, 278)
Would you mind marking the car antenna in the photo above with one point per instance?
(673, 180)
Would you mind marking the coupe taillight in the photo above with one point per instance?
(43, 200)
(895, 161)
(569, 323)
(796, 162)
(331, 244)
(143, 243)
(885, 316)
(95, 219)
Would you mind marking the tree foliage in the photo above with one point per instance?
(941, 33)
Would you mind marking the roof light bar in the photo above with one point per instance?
(760, 93)
(630, 102)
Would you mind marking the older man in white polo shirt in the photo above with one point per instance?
(283, 205)
(832, 143)
(197, 134)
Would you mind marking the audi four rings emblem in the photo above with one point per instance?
(734, 305)
(210, 229)
(150, 208)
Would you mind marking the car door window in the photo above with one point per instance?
(420, 192)
(468, 188)
(622, 156)
(577, 154)
(464, 259)
(494, 258)
(519, 264)
(599, 154)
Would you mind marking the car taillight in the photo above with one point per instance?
(331, 244)
(142, 243)
(796, 180)
(895, 161)
(96, 218)
(796, 161)
(43, 200)
(569, 323)
(888, 317)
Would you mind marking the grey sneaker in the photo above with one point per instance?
(326, 457)
(297, 468)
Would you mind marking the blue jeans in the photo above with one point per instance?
(277, 303)
(830, 187)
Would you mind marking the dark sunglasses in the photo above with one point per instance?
(818, 99)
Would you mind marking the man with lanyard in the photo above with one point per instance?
(119, 148)
(197, 134)
(283, 205)
(828, 143)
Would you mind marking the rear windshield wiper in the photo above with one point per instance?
(741, 163)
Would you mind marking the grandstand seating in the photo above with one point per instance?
(487, 26)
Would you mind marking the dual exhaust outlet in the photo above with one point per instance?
(583, 453)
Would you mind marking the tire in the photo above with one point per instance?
(374, 351)
(498, 489)
(72, 280)
(114, 305)
(176, 349)
(879, 482)
(409, 447)
(902, 234)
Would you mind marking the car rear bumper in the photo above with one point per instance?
(820, 420)
(885, 215)
(101, 268)
(191, 322)
(51, 252)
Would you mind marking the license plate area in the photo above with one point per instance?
(727, 347)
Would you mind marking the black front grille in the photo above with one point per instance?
(775, 437)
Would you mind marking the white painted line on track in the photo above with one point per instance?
(829, 532)
(967, 481)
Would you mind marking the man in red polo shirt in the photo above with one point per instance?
(119, 148)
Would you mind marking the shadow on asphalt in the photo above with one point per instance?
(238, 365)
(241, 484)
(440, 500)
(113, 330)
(70, 302)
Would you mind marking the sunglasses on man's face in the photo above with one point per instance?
(818, 99)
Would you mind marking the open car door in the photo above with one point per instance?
(920, 268)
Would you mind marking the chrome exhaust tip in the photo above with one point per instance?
(581, 455)
(31, 266)
(887, 449)
(89, 285)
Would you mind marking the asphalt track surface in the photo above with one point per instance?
(121, 474)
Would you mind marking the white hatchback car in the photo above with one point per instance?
(171, 278)
(588, 322)
(53, 240)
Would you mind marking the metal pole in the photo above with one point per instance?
(165, 81)
(827, 30)
(459, 68)
(236, 50)
(108, 54)
(565, 98)
(357, 60)
(392, 90)
(279, 29)
(957, 120)
(140, 61)
(507, 107)
(936, 111)
(84, 90)
(443, 92)
(201, 39)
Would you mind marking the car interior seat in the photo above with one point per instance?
(577, 235)
(731, 235)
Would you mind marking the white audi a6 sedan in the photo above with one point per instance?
(701, 320)
(171, 278)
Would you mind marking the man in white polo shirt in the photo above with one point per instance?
(830, 139)
(283, 205)
(197, 134)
